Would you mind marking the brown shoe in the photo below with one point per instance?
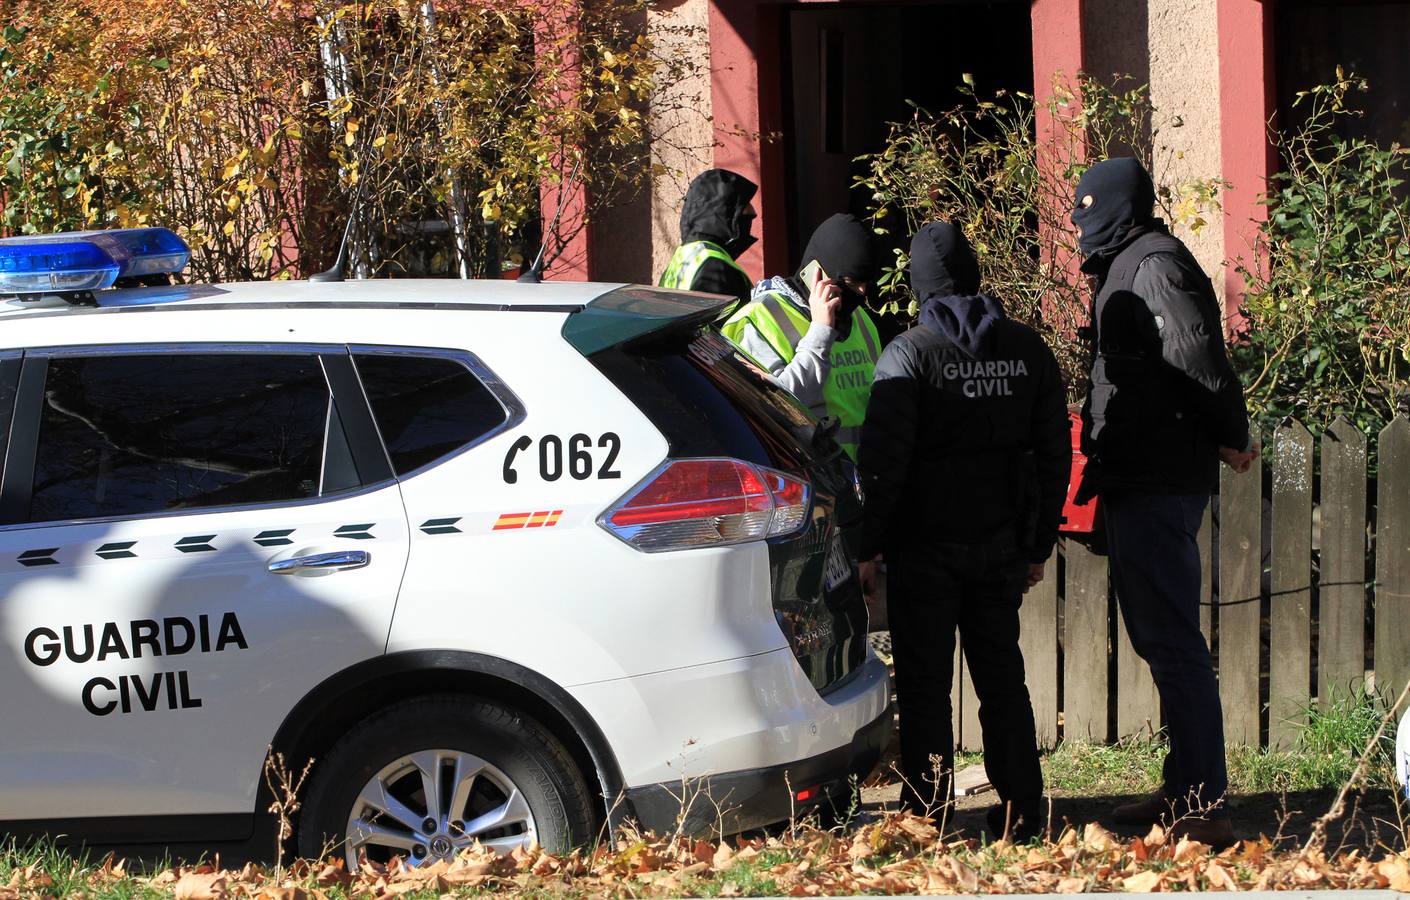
(1217, 833)
(1149, 811)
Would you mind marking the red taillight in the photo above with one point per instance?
(693, 489)
(708, 502)
(790, 497)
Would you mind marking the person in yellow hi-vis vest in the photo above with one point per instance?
(812, 330)
(716, 221)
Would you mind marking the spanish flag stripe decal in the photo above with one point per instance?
(542, 518)
(511, 520)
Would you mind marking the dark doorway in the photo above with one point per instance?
(849, 70)
(1366, 37)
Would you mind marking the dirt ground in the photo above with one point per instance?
(1370, 821)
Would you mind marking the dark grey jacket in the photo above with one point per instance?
(1163, 396)
(966, 439)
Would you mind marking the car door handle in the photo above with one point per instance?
(321, 562)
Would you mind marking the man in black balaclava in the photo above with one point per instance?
(715, 223)
(1164, 408)
(812, 330)
(964, 463)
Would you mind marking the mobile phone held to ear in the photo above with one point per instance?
(811, 272)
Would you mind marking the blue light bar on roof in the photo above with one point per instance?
(142, 251)
(77, 261)
(54, 266)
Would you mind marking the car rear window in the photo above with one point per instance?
(709, 399)
(426, 407)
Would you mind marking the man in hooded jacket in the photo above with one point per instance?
(818, 339)
(964, 463)
(716, 220)
(1164, 408)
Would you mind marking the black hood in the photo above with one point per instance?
(945, 276)
(714, 210)
(1123, 199)
(968, 321)
(942, 263)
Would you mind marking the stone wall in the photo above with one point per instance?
(681, 120)
(1184, 84)
(634, 240)
(1173, 47)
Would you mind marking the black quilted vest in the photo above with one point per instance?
(1138, 425)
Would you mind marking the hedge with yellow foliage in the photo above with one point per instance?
(250, 126)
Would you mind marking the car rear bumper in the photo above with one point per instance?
(740, 800)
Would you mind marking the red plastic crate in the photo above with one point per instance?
(1077, 519)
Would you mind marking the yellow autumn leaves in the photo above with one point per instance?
(249, 125)
(897, 854)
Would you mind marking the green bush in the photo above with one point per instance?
(1328, 297)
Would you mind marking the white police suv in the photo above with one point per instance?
(508, 562)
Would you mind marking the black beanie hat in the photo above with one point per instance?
(845, 248)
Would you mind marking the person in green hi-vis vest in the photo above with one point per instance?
(716, 220)
(812, 331)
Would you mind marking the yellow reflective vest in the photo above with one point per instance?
(686, 262)
(853, 361)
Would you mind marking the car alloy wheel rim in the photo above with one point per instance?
(430, 805)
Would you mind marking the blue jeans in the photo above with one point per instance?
(1155, 569)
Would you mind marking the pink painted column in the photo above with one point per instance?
(556, 42)
(1057, 60)
(746, 107)
(574, 260)
(1057, 52)
(1246, 92)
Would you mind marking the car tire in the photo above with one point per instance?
(444, 733)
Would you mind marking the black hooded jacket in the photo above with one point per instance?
(1163, 396)
(714, 211)
(966, 439)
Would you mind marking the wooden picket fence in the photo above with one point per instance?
(1313, 598)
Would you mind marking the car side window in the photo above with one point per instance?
(135, 434)
(426, 406)
(9, 383)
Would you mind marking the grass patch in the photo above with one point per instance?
(1131, 766)
(61, 873)
(1329, 743)
(1324, 755)
(747, 878)
(964, 759)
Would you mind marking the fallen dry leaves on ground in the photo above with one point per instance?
(898, 854)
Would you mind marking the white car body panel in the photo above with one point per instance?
(700, 721)
(66, 761)
(583, 618)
